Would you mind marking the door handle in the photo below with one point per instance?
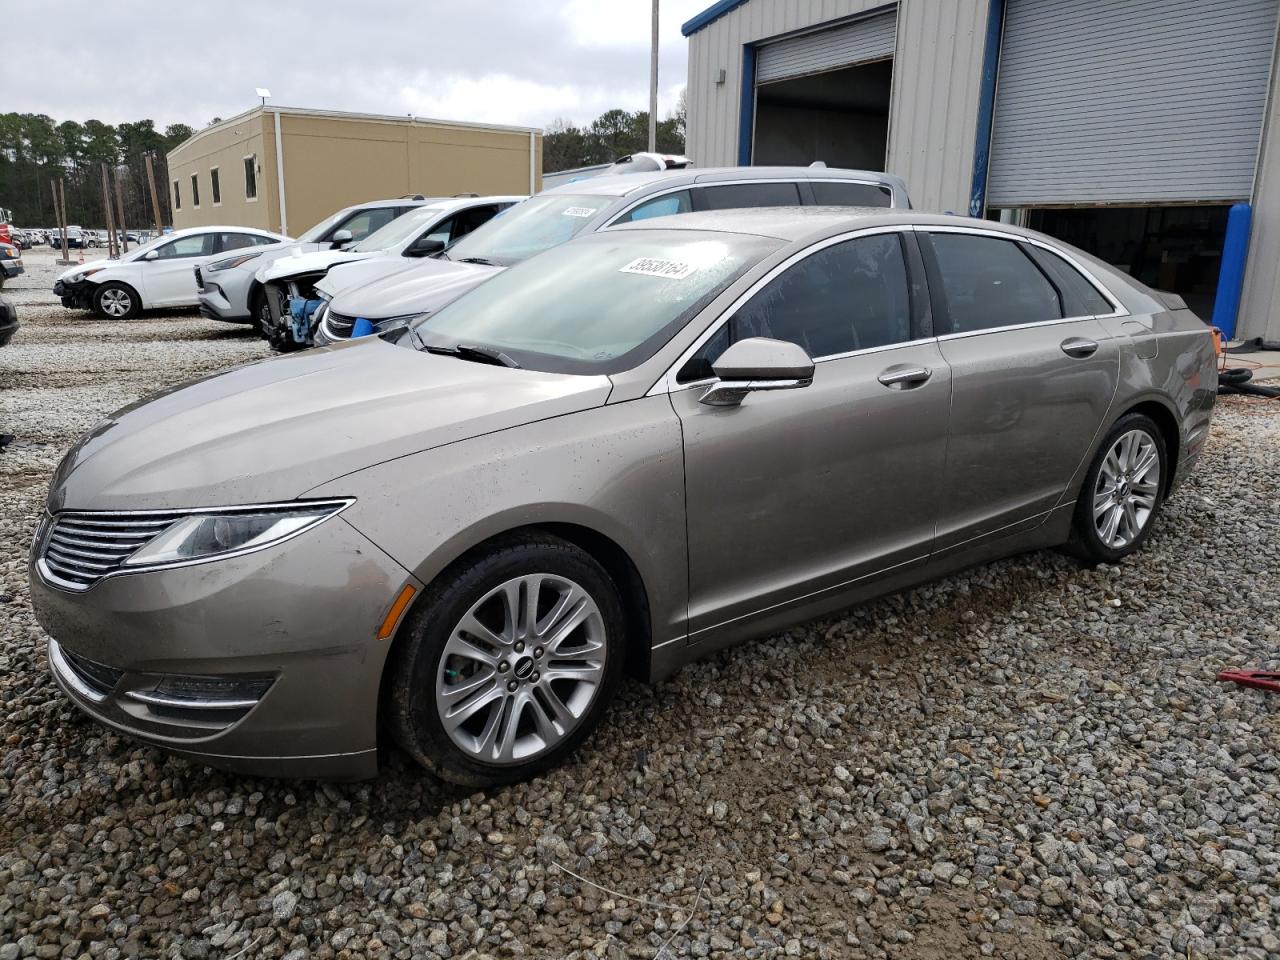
(1078, 347)
(904, 379)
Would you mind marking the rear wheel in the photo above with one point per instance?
(508, 663)
(116, 301)
(1122, 492)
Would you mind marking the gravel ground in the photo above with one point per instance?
(1030, 760)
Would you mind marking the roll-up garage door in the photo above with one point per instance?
(871, 38)
(1129, 101)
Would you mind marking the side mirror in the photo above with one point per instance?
(758, 363)
(425, 247)
(341, 237)
(150, 255)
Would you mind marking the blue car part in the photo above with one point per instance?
(362, 328)
(300, 313)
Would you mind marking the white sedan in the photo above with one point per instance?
(157, 274)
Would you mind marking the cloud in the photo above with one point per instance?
(525, 62)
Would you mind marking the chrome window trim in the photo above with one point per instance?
(1117, 308)
(667, 382)
(48, 576)
(893, 195)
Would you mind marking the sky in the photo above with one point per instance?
(524, 62)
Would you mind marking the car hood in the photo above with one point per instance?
(421, 289)
(298, 264)
(272, 430)
(269, 258)
(348, 276)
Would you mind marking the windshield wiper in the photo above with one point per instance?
(480, 260)
(467, 351)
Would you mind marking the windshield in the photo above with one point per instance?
(397, 231)
(599, 305)
(528, 228)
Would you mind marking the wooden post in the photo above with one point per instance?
(111, 220)
(155, 198)
(60, 201)
(124, 231)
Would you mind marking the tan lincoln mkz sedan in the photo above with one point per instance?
(634, 449)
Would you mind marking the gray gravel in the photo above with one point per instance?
(1030, 760)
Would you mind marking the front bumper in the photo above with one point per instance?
(78, 295)
(224, 298)
(285, 638)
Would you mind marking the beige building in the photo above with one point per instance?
(285, 169)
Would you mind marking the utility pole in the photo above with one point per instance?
(155, 199)
(653, 84)
(112, 252)
(124, 231)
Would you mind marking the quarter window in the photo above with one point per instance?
(251, 177)
(1080, 298)
(989, 283)
(834, 193)
(663, 206)
(215, 188)
(730, 196)
(850, 296)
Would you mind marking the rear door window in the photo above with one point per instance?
(835, 193)
(989, 283)
(850, 296)
(731, 196)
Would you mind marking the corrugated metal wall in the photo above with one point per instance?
(1134, 102)
(936, 83)
(870, 38)
(1260, 303)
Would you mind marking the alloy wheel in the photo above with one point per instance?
(521, 668)
(1124, 498)
(115, 302)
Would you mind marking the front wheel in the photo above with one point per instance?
(116, 301)
(1122, 493)
(508, 662)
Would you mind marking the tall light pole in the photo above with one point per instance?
(653, 84)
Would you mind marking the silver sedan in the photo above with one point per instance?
(619, 456)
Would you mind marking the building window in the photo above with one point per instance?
(251, 177)
(177, 196)
(195, 192)
(215, 187)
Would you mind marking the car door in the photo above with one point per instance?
(802, 493)
(1033, 376)
(168, 279)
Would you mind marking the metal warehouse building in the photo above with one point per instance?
(285, 169)
(1127, 127)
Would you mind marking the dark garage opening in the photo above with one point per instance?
(1178, 249)
(840, 117)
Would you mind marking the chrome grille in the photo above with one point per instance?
(337, 325)
(79, 549)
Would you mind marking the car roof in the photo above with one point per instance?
(217, 228)
(629, 183)
(804, 223)
(458, 203)
(416, 200)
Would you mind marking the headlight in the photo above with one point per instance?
(398, 323)
(232, 262)
(211, 534)
(77, 277)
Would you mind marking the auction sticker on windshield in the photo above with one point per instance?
(577, 211)
(654, 267)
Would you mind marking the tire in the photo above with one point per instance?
(116, 301)
(1122, 492)
(260, 313)
(506, 730)
(279, 336)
